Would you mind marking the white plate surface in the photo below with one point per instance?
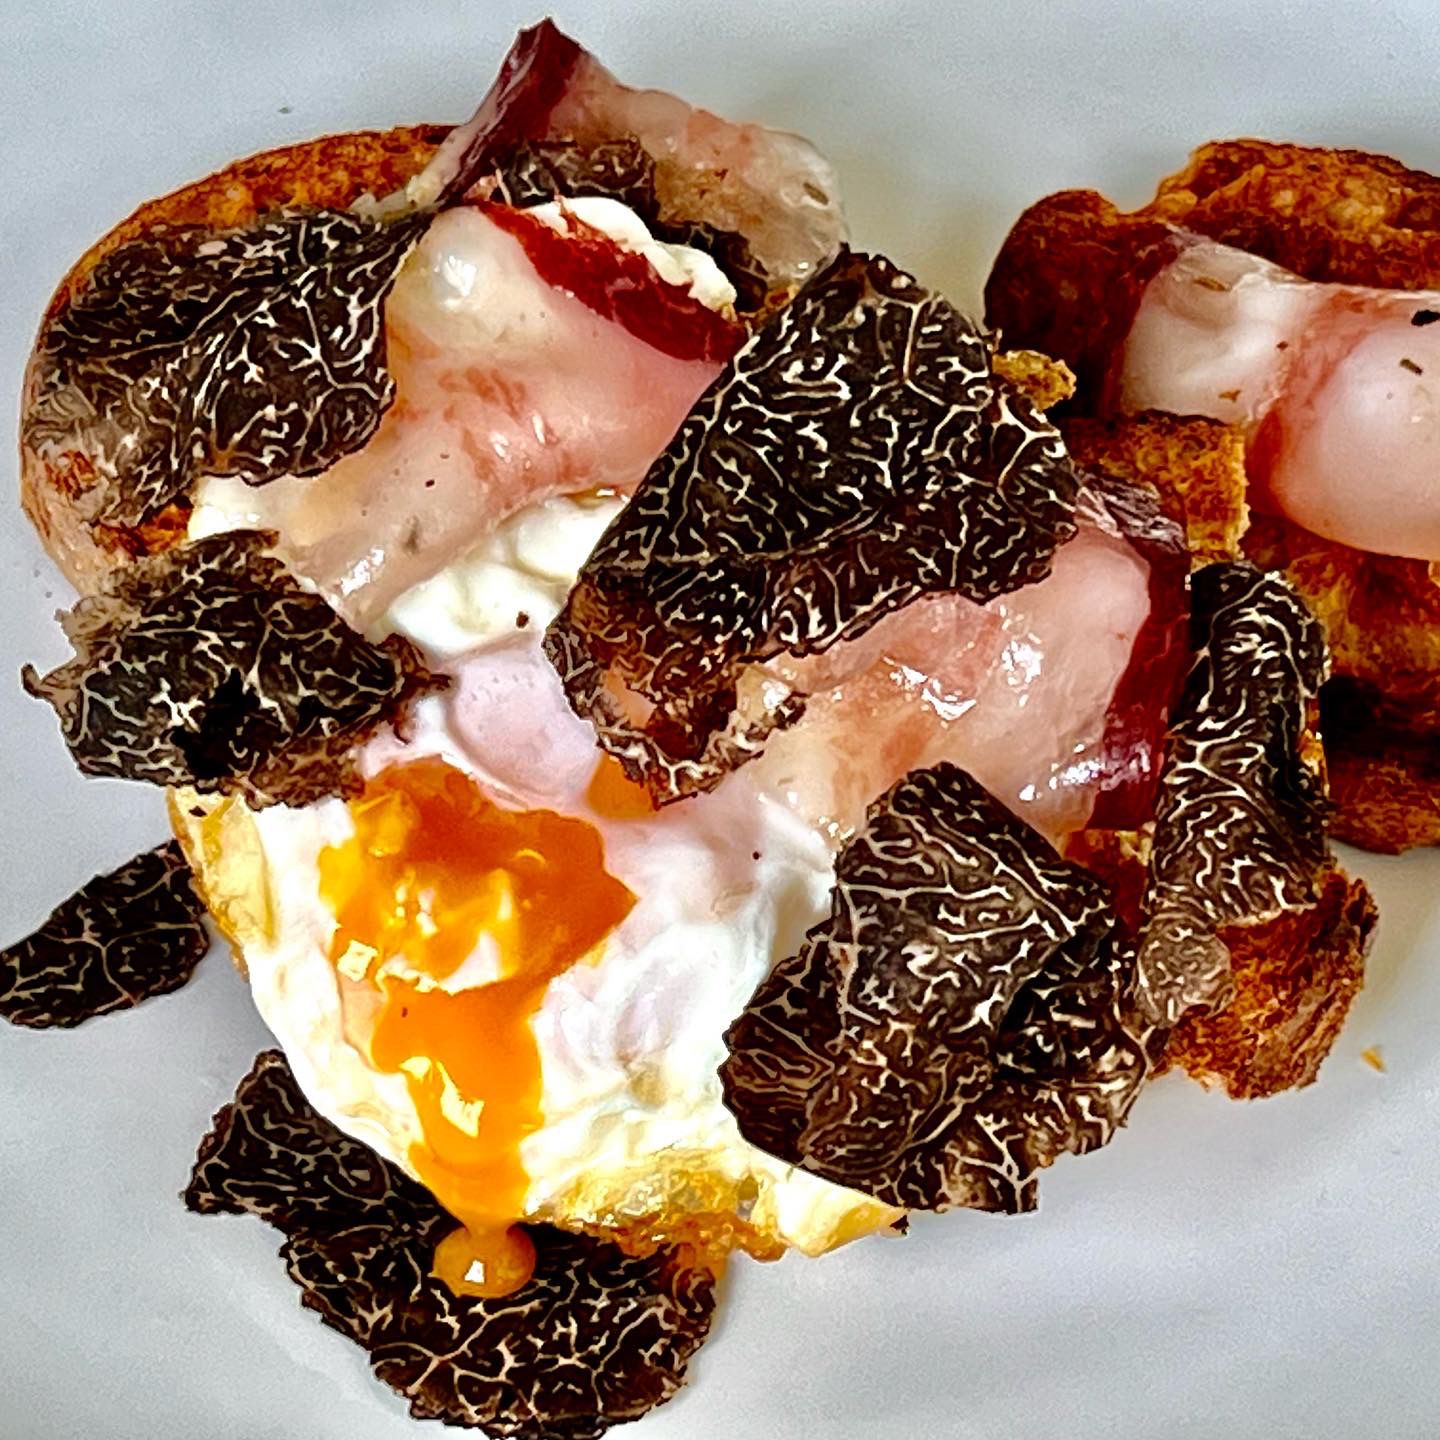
(1266, 1271)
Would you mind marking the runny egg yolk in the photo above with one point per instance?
(614, 796)
(434, 871)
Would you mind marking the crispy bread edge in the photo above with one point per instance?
(329, 173)
(1067, 281)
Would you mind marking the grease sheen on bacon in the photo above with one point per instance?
(1055, 696)
(1336, 386)
(511, 382)
(274, 366)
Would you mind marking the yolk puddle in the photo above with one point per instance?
(433, 871)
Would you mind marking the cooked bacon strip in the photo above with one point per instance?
(859, 523)
(620, 285)
(537, 172)
(1335, 386)
(1126, 771)
(526, 363)
(1055, 696)
(859, 455)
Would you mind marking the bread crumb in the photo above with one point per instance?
(1372, 1058)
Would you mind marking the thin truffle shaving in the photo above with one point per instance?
(1240, 824)
(960, 1020)
(210, 666)
(122, 937)
(595, 1338)
(858, 454)
(534, 171)
(256, 352)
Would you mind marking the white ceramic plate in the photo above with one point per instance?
(1270, 1270)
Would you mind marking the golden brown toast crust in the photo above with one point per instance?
(1295, 977)
(1384, 778)
(329, 173)
(1068, 281)
(1340, 216)
(1069, 275)
(1294, 981)
(1197, 465)
(1381, 612)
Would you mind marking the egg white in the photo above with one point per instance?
(630, 1039)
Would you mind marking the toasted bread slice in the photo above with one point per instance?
(330, 173)
(1338, 216)
(1071, 272)
(1197, 465)
(1294, 981)
(1294, 977)
(1068, 281)
(1381, 719)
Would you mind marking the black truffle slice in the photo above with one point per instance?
(858, 453)
(958, 1022)
(256, 352)
(535, 171)
(121, 938)
(1240, 821)
(210, 666)
(596, 1337)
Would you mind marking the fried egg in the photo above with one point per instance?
(497, 965)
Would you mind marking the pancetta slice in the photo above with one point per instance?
(864, 524)
(772, 188)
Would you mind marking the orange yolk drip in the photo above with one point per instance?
(613, 795)
(434, 870)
